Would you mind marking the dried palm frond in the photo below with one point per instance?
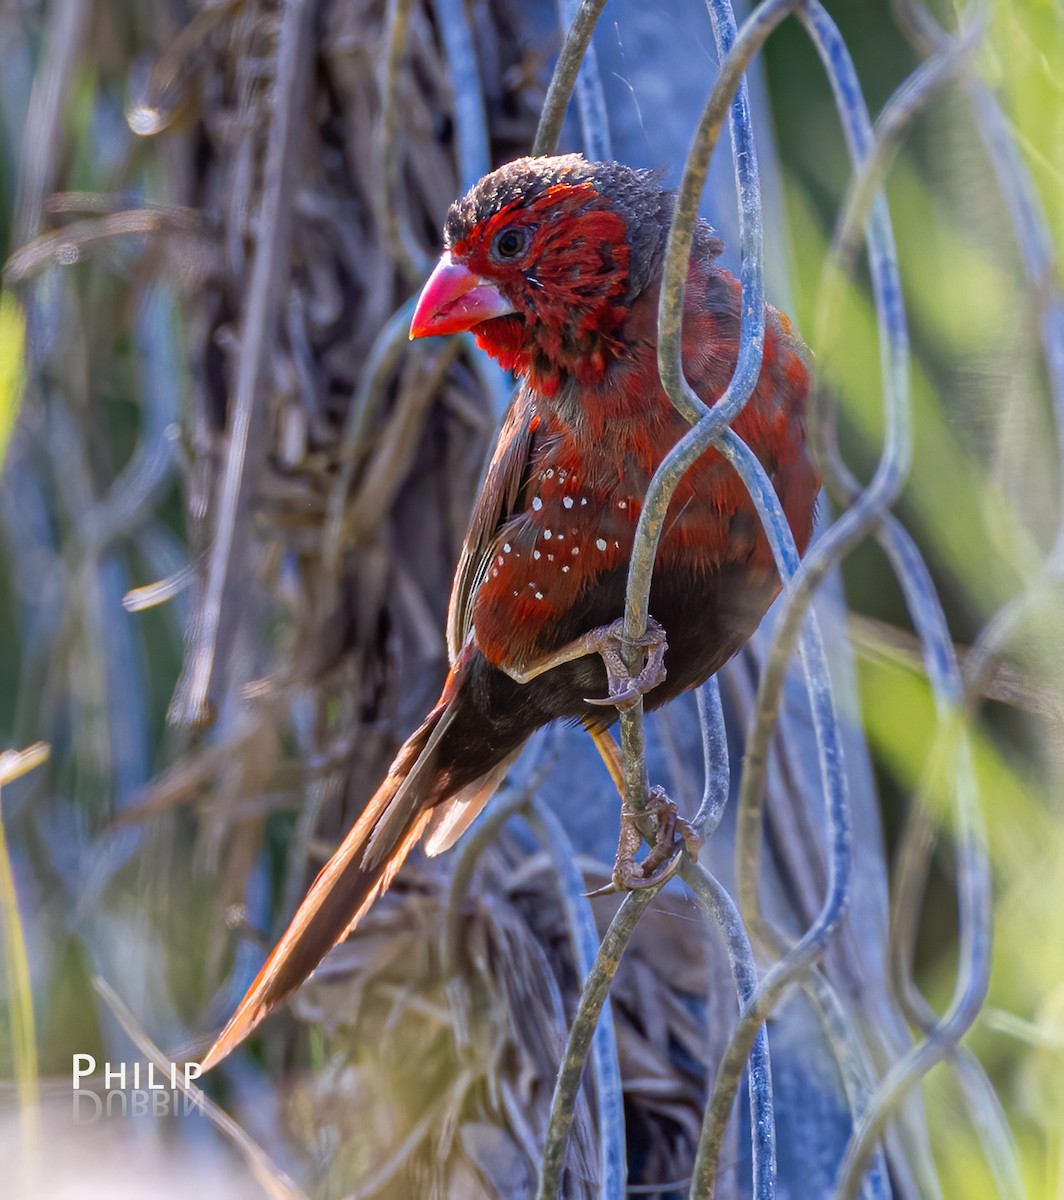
(442, 1087)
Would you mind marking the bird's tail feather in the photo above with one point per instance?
(453, 817)
(361, 869)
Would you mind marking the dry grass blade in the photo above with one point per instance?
(191, 703)
(16, 763)
(158, 96)
(1001, 680)
(43, 134)
(150, 595)
(581, 1033)
(13, 765)
(73, 242)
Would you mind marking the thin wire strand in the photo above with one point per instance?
(707, 424)
(716, 902)
(470, 119)
(581, 1033)
(590, 97)
(583, 935)
(566, 70)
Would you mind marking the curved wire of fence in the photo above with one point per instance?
(867, 511)
(709, 430)
(950, 59)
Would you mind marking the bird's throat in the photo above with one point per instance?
(548, 353)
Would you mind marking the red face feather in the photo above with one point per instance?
(561, 262)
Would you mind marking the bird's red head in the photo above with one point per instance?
(543, 259)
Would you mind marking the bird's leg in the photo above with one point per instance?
(662, 862)
(609, 641)
(628, 874)
(610, 753)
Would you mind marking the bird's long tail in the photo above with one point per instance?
(406, 803)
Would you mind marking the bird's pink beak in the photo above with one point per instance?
(454, 300)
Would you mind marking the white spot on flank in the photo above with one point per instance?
(567, 501)
(601, 543)
(539, 595)
(583, 500)
(537, 503)
(575, 551)
(535, 554)
(622, 503)
(500, 560)
(494, 572)
(618, 545)
(506, 548)
(547, 534)
(549, 474)
(565, 570)
(550, 558)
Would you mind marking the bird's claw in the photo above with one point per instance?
(607, 889)
(664, 858)
(624, 690)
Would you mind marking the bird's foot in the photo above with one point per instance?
(610, 643)
(671, 833)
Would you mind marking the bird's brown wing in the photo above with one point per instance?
(495, 504)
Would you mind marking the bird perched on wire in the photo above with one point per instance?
(555, 266)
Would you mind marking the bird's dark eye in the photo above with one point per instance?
(510, 243)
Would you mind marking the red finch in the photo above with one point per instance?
(555, 266)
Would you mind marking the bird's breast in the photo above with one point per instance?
(571, 537)
(576, 529)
